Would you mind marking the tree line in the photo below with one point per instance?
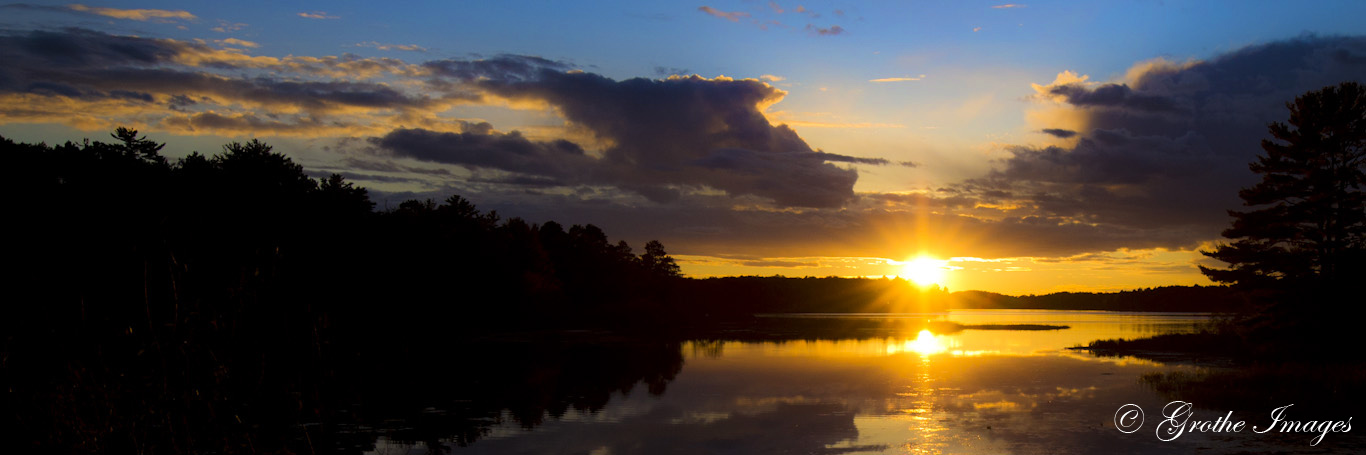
(226, 300)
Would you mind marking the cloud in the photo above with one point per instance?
(78, 70)
(854, 159)
(234, 124)
(1008, 5)
(393, 47)
(318, 15)
(833, 30)
(733, 16)
(898, 79)
(772, 78)
(1113, 95)
(477, 146)
(502, 68)
(779, 263)
(858, 125)
(229, 27)
(237, 42)
(160, 15)
(1060, 133)
(666, 137)
(1165, 149)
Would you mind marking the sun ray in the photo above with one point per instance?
(925, 271)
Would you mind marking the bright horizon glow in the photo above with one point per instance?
(1110, 271)
(925, 271)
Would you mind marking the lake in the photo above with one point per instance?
(899, 391)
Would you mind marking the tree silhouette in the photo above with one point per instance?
(338, 196)
(140, 147)
(657, 262)
(1309, 230)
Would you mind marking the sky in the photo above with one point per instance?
(1023, 148)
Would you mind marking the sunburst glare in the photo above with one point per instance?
(925, 271)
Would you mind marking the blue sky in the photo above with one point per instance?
(1036, 146)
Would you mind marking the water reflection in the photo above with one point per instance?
(965, 392)
(925, 343)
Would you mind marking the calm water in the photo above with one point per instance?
(974, 391)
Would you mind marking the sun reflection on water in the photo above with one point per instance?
(912, 391)
(923, 431)
(925, 343)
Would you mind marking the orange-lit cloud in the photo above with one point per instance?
(733, 16)
(238, 42)
(899, 79)
(135, 14)
(318, 15)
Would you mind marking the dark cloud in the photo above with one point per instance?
(52, 88)
(180, 102)
(1059, 132)
(1114, 95)
(354, 177)
(130, 95)
(84, 65)
(823, 156)
(82, 48)
(353, 162)
(502, 67)
(319, 96)
(520, 181)
(246, 123)
(1173, 174)
(849, 159)
(666, 137)
(509, 152)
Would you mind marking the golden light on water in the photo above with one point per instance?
(925, 343)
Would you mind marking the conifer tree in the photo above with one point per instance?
(1306, 229)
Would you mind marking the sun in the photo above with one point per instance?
(925, 270)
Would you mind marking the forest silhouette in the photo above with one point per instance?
(234, 302)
